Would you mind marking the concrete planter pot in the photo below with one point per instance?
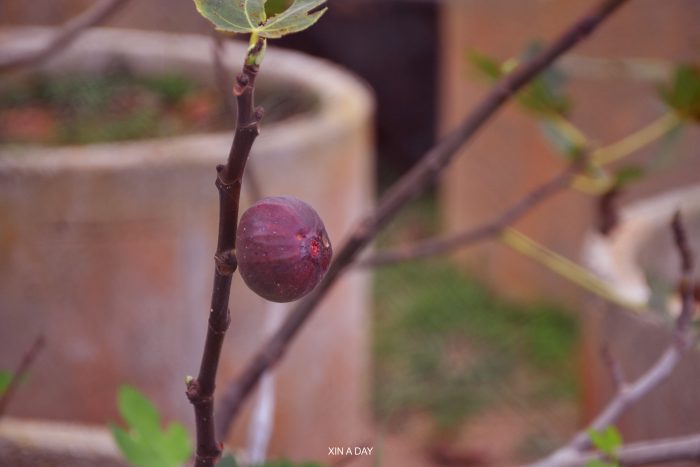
(107, 250)
(641, 247)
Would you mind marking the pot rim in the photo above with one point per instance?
(615, 258)
(345, 101)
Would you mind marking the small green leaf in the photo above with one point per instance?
(240, 16)
(176, 444)
(628, 174)
(299, 16)
(134, 452)
(606, 441)
(488, 66)
(5, 380)
(138, 412)
(599, 463)
(683, 95)
(227, 461)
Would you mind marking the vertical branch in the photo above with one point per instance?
(200, 391)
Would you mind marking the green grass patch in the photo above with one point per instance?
(446, 345)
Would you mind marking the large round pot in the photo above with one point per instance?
(637, 258)
(107, 250)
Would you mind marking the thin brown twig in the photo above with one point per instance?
(630, 393)
(616, 373)
(435, 246)
(66, 34)
(22, 369)
(200, 391)
(423, 174)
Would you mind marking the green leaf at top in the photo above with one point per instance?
(233, 15)
(299, 16)
(248, 16)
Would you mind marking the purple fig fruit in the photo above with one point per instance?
(282, 248)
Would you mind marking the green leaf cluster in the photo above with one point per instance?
(683, 94)
(606, 441)
(543, 96)
(144, 443)
(249, 16)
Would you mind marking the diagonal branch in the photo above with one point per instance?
(21, 372)
(423, 174)
(436, 246)
(96, 14)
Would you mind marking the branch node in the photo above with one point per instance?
(241, 84)
(226, 262)
(258, 114)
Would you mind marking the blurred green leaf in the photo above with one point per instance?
(606, 441)
(144, 443)
(563, 141)
(488, 66)
(175, 444)
(138, 412)
(248, 16)
(5, 379)
(543, 96)
(629, 174)
(597, 463)
(683, 95)
(135, 452)
(227, 461)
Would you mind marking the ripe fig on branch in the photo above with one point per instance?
(282, 248)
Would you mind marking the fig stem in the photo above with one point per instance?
(229, 176)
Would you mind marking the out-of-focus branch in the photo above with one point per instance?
(436, 246)
(96, 14)
(21, 371)
(411, 185)
(630, 393)
(679, 449)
